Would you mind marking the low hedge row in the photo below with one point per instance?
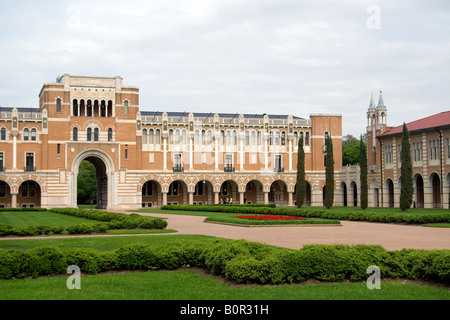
(107, 221)
(369, 216)
(238, 260)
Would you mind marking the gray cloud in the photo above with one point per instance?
(287, 57)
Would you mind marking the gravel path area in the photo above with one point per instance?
(390, 236)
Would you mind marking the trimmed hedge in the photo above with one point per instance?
(367, 216)
(107, 221)
(237, 260)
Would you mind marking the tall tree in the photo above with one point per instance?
(301, 183)
(329, 175)
(407, 190)
(363, 173)
(350, 150)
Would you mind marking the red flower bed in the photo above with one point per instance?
(269, 217)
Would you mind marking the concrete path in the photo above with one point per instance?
(389, 236)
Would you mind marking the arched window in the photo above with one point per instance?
(277, 138)
(75, 107)
(253, 138)
(171, 136)
(260, 140)
(326, 135)
(307, 138)
(125, 107)
(177, 136)
(158, 136)
(144, 136)
(295, 139)
(89, 108)
(184, 137)
(75, 134)
(33, 134)
(26, 134)
(96, 134)
(197, 140)
(89, 134)
(247, 138)
(222, 136)
(110, 134)
(271, 138)
(3, 134)
(103, 108)
(235, 138)
(283, 138)
(58, 105)
(150, 136)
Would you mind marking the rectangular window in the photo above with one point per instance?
(58, 148)
(278, 166)
(58, 105)
(126, 153)
(29, 161)
(2, 161)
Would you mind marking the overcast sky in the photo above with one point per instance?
(248, 56)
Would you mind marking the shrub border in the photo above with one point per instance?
(240, 261)
(362, 215)
(107, 221)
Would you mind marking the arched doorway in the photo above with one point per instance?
(344, 193)
(5, 195)
(177, 193)
(104, 172)
(278, 193)
(354, 189)
(419, 191)
(254, 192)
(151, 194)
(436, 187)
(29, 195)
(229, 192)
(390, 187)
(203, 192)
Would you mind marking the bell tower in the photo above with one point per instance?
(376, 125)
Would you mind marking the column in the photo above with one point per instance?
(266, 197)
(14, 152)
(290, 155)
(241, 197)
(241, 155)
(216, 197)
(266, 156)
(164, 153)
(216, 154)
(164, 198)
(191, 155)
(14, 200)
(191, 197)
(290, 199)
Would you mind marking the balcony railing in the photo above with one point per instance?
(178, 169)
(229, 169)
(29, 169)
(278, 169)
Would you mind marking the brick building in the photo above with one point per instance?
(430, 155)
(149, 158)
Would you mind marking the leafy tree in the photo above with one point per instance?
(301, 184)
(407, 190)
(86, 183)
(350, 150)
(329, 174)
(363, 174)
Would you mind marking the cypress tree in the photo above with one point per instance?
(301, 184)
(363, 174)
(407, 190)
(329, 175)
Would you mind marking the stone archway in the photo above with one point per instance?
(104, 166)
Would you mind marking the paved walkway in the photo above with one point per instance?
(390, 236)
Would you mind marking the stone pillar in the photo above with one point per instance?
(164, 198)
(290, 155)
(290, 199)
(164, 153)
(191, 197)
(266, 197)
(14, 200)
(241, 197)
(216, 197)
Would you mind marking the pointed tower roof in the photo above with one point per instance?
(372, 103)
(381, 101)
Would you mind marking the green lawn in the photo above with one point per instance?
(191, 285)
(34, 218)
